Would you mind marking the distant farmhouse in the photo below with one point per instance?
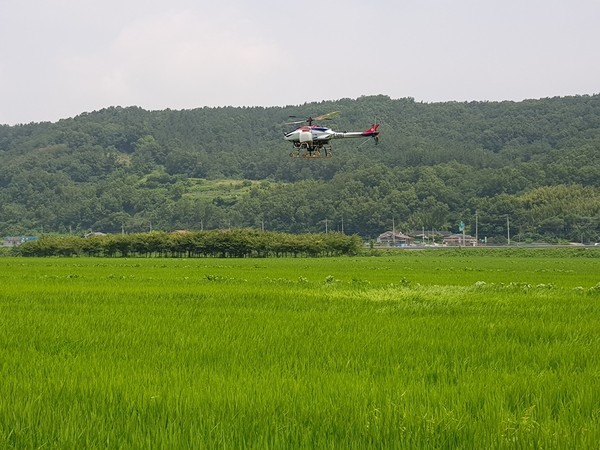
(15, 241)
(394, 239)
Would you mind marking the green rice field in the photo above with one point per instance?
(441, 349)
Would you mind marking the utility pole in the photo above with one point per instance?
(326, 228)
(393, 232)
(508, 229)
(476, 228)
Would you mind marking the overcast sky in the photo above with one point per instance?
(59, 58)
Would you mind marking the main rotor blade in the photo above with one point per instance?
(310, 120)
(327, 116)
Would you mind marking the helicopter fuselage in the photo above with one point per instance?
(317, 136)
(312, 141)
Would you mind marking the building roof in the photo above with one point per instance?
(390, 235)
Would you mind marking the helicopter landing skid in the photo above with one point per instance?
(323, 152)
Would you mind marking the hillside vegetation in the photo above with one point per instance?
(533, 162)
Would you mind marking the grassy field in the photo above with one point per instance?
(224, 189)
(418, 350)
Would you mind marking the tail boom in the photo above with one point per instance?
(371, 132)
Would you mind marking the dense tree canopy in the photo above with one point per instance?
(238, 243)
(127, 169)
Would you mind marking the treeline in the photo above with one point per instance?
(235, 243)
(526, 169)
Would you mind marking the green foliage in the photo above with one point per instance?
(436, 165)
(235, 243)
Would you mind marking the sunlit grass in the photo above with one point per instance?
(220, 188)
(406, 352)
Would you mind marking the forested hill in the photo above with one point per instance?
(535, 162)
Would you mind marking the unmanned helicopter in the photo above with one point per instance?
(312, 141)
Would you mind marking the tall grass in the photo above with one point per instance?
(407, 352)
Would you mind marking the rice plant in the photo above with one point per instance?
(417, 351)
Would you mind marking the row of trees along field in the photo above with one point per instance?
(533, 162)
(237, 243)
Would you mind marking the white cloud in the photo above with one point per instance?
(176, 59)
